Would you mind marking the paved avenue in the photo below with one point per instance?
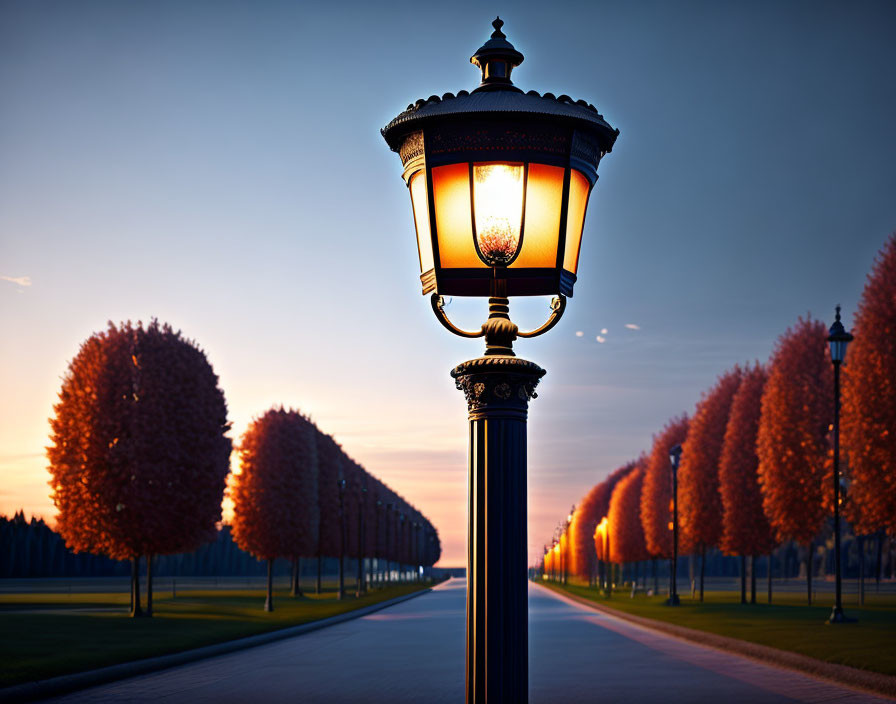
(413, 652)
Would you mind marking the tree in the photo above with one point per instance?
(792, 442)
(700, 505)
(745, 528)
(869, 401)
(627, 542)
(656, 496)
(329, 534)
(589, 511)
(139, 453)
(275, 512)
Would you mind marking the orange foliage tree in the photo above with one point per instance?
(656, 496)
(139, 453)
(745, 528)
(793, 439)
(275, 512)
(699, 502)
(589, 511)
(627, 542)
(869, 401)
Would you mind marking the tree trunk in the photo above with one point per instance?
(861, 570)
(136, 612)
(743, 579)
(269, 602)
(656, 578)
(809, 572)
(702, 568)
(691, 574)
(148, 585)
(770, 557)
(752, 579)
(296, 577)
(878, 564)
(320, 560)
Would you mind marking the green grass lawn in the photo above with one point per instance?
(787, 623)
(85, 631)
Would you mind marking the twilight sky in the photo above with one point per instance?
(218, 165)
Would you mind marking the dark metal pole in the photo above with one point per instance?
(497, 389)
(837, 613)
(359, 591)
(341, 593)
(673, 588)
(376, 546)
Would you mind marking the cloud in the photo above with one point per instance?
(601, 339)
(579, 333)
(632, 326)
(19, 280)
(604, 331)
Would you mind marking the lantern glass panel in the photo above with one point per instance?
(498, 211)
(454, 220)
(579, 188)
(838, 351)
(544, 200)
(420, 203)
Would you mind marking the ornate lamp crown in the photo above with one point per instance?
(499, 182)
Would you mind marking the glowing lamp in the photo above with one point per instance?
(499, 181)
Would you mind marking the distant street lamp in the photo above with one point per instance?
(499, 182)
(572, 512)
(838, 340)
(340, 483)
(377, 553)
(675, 459)
(602, 532)
(361, 589)
(402, 543)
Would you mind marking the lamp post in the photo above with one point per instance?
(401, 547)
(340, 483)
(376, 549)
(360, 589)
(839, 338)
(675, 459)
(568, 542)
(499, 182)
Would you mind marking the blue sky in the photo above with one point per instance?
(218, 165)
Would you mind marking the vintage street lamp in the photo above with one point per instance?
(376, 549)
(838, 340)
(360, 588)
(402, 542)
(499, 182)
(340, 484)
(569, 518)
(675, 460)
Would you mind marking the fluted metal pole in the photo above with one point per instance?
(497, 389)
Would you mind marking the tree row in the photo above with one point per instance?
(756, 466)
(140, 457)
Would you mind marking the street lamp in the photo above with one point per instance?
(838, 340)
(376, 545)
(499, 182)
(602, 533)
(340, 483)
(675, 460)
(361, 589)
(569, 518)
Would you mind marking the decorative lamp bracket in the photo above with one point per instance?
(499, 330)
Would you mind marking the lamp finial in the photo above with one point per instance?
(497, 24)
